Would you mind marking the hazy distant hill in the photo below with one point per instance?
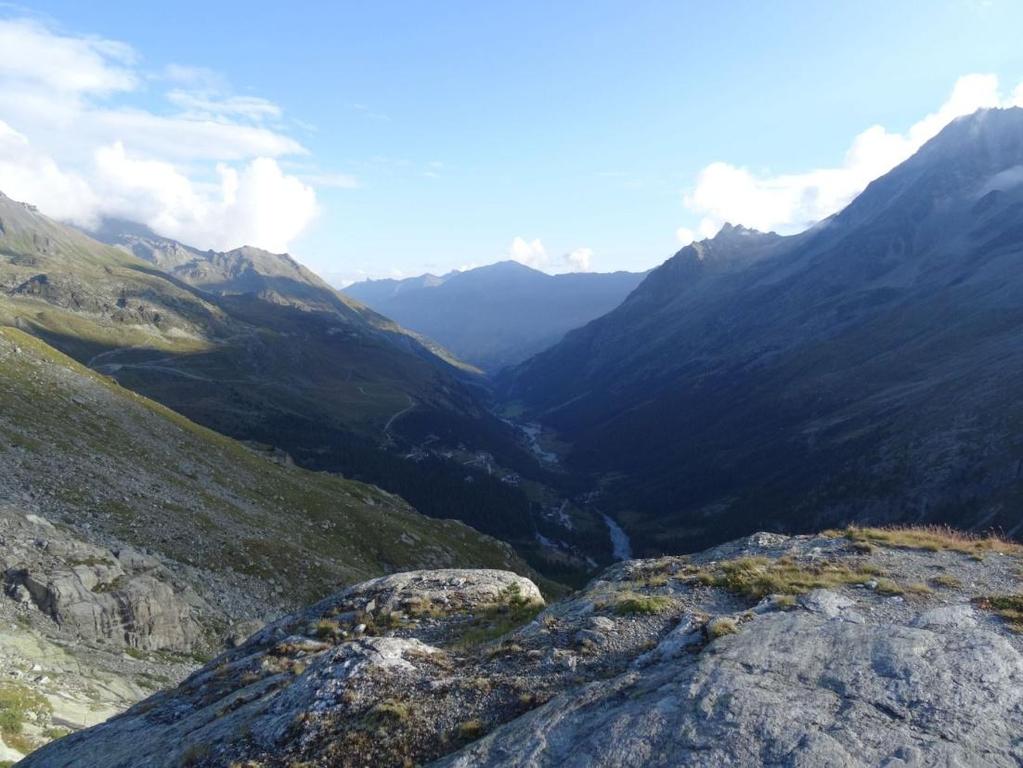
(496, 315)
(867, 369)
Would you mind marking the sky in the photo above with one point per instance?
(388, 139)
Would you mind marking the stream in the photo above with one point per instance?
(621, 546)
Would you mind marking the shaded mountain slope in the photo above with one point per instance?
(496, 315)
(865, 369)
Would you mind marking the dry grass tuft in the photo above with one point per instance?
(721, 626)
(758, 577)
(631, 604)
(932, 539)
(1009, 607)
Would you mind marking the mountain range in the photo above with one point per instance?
(193, 443)
(867, 369)
(497, 315)
(256, 347)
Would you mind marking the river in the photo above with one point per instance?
(621, 547)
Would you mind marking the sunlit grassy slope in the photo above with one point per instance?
(102, 458)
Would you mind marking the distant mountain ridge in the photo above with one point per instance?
(866, 369)
(496, 315)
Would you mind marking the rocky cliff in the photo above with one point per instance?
(891, 647)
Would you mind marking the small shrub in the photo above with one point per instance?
(194, 755)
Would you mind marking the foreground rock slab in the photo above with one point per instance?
(804, 651)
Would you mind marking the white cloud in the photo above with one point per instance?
(205, 105)
(32, 54)
(684, 235)
(579, 259)
(534, 254)
(203, 169)
(531, 254)
(331, 180)
(29, 175)
(258, 204)
(791, 202)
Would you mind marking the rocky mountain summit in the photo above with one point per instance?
(861, 647)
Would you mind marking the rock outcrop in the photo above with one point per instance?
(86, 631)
(857, 649)
(122, 598)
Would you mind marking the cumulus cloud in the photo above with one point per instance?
(534, 254)
(204, 167)
(531, 254)
(684, 235)
(791, 202)
(579, 259)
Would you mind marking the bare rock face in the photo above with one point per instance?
(329, 678)
(793, 689)
(803, 651)
(85, 630)
(118, 598)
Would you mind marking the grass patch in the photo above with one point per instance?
(387, 712)
(721, 626)
(1008, 607)
(887, 587)
(641, 605)
(18, 704)
(498, 619)
(758, 577)
(947, 581)
(932, 539)
(470, 730)
(918, 588)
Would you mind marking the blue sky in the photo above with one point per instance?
(396, 138)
